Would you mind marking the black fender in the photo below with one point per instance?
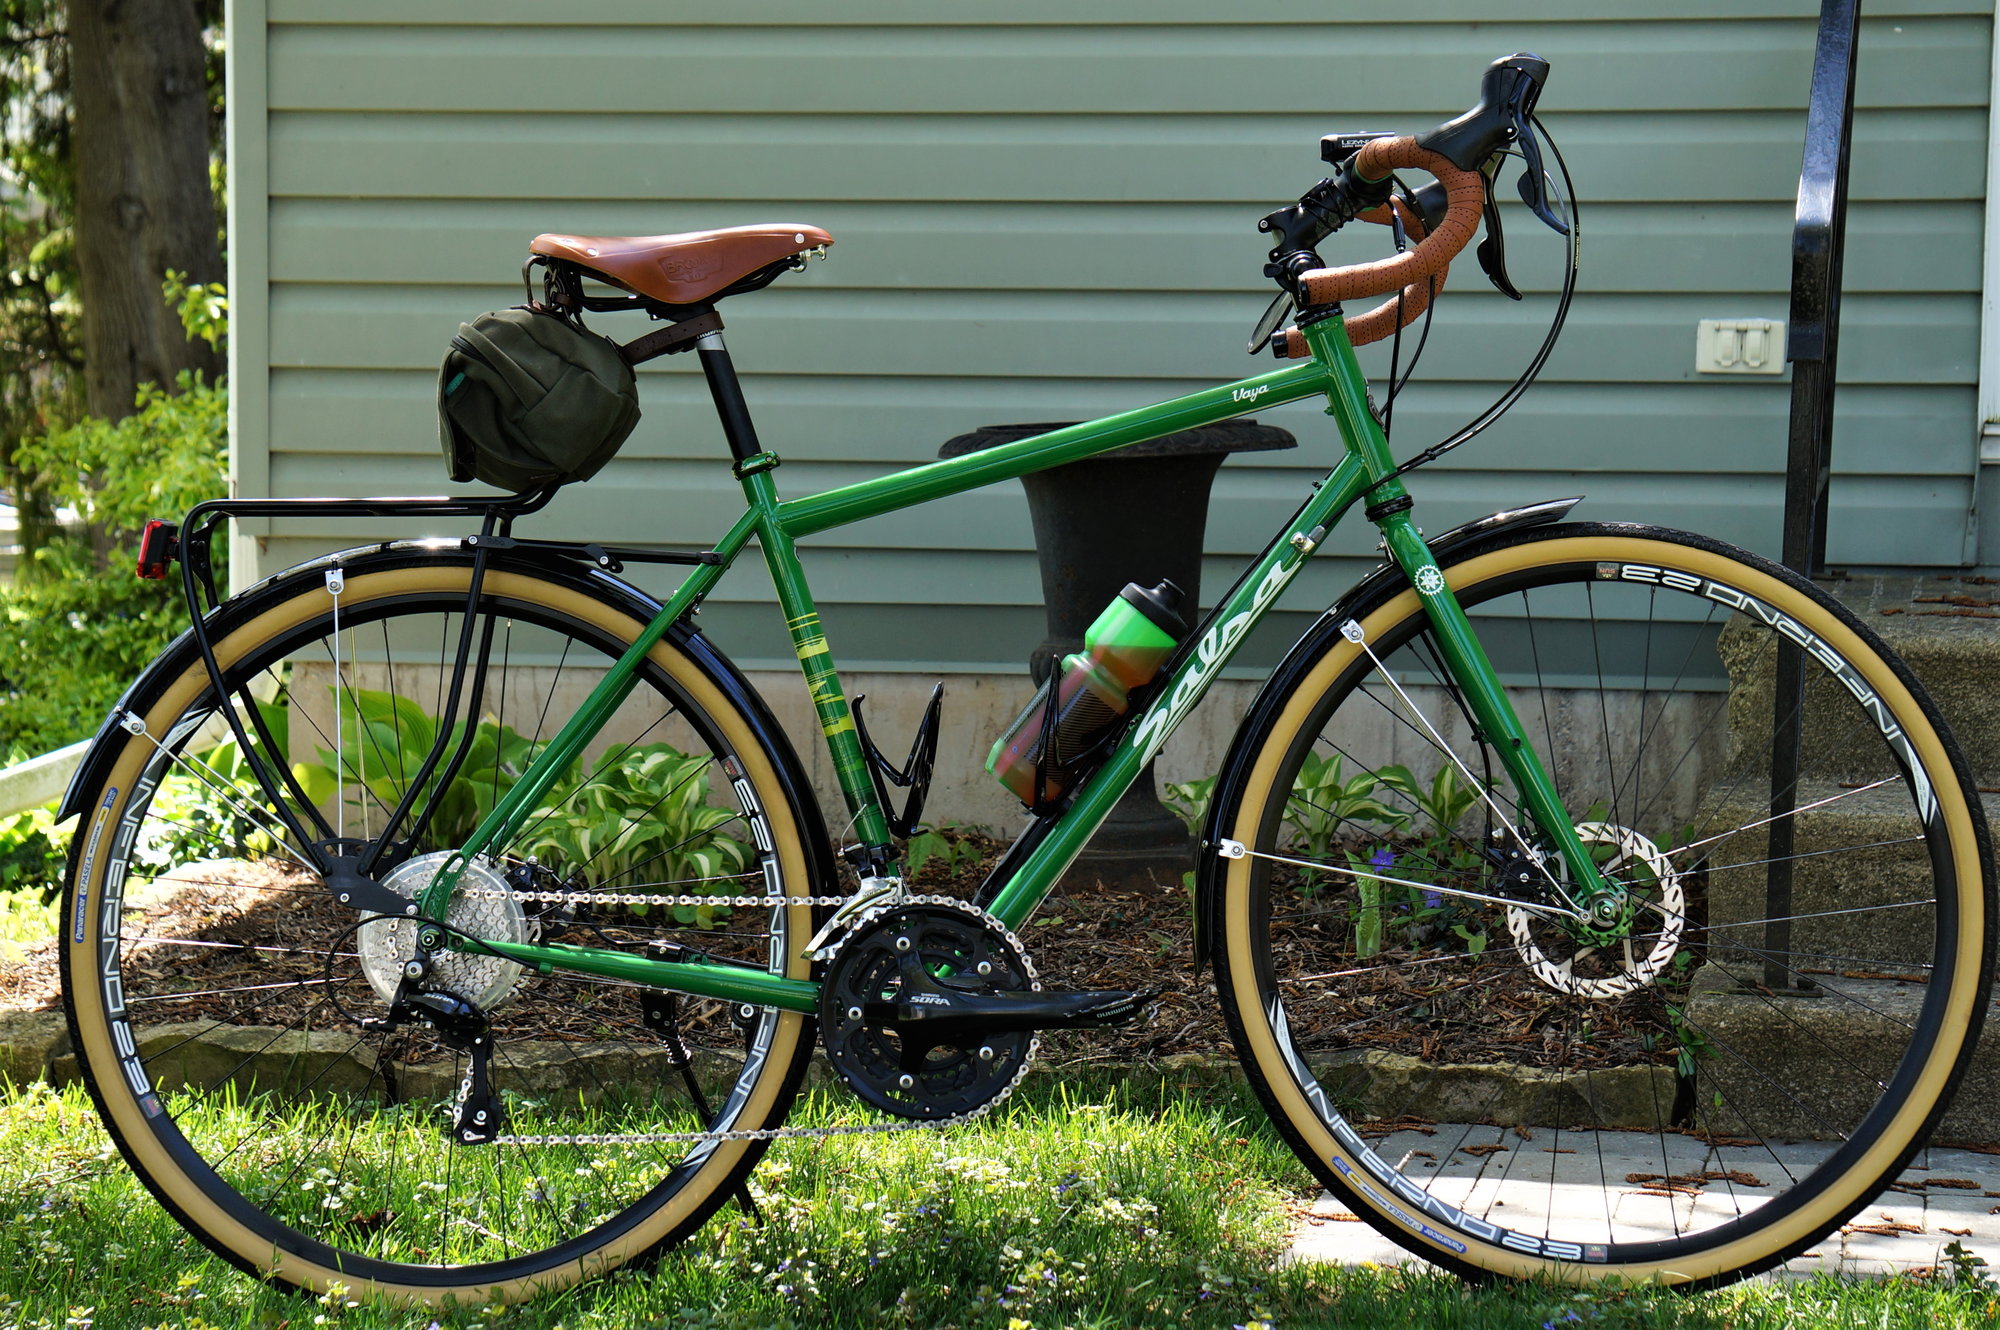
(1382, 582)
(183, 654)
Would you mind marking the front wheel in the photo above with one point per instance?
(1735, 1071)
(226, 1006)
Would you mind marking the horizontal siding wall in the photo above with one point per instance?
(1041, 217)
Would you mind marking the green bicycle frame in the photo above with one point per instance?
(778, 524)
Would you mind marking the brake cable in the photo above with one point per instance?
(1398, 383)
(1512, 394)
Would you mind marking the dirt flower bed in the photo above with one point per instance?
(1084, 936)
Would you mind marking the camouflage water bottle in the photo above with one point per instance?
(1123, 650)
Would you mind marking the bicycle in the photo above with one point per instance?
(448, 918)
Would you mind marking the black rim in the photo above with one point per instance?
(1625, 803)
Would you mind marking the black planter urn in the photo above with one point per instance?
(1134, 515)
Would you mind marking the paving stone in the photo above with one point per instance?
(1485, 1182)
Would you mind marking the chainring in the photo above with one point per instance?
(957, 947)
(1569, 965)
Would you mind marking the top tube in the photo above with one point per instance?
(935, 480)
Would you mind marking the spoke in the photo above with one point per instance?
(232, 946)
(1478, 786)
(1402, 967)
(1666, 782)
(173, 879)
(289, 985)
(609, 761)
(1814, 854)
(1804, 808)
(1532, 907)
(213, 779)
(1819, 914)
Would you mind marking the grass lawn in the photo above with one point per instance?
(1081, 1204)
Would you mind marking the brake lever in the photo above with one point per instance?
(1492, 251)
(1534, 183)
(1533, 188)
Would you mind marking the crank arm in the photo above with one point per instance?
(938, 1015)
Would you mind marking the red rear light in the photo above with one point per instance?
(158, 546)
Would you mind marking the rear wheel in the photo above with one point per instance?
(1697, 1098)
(220, 995)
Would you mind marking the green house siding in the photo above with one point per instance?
(1042, 216)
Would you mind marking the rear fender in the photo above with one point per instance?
(184, 654)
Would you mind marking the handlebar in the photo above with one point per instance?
(1412, 271)
(1461, 153)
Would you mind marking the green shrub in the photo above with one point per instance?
(637, 820)
(77, 625)
(30, 859)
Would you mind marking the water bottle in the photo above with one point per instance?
(1123, 649)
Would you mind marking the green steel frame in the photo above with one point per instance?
(778, 524)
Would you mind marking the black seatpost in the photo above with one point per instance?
(727, 391)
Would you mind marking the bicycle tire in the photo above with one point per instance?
(1506, 1099)
(308, 1151)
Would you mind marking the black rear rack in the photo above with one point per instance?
(354, 864)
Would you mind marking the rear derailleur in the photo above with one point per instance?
(477, 1112)
(929, 1010)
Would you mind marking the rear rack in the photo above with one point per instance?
(355, 864)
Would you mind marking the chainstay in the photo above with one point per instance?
(780, 1133)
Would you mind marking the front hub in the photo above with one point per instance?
(1633, 932)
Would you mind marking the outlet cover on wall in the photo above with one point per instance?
(1739, 346)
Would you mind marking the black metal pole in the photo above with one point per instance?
(1819, 236)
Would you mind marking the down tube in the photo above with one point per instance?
(1221, 635)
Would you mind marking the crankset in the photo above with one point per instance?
(931, 1010)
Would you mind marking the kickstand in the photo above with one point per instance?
(659, 1011)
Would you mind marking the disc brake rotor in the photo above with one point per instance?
(484, 907)
(1659, 910)
(904, 954)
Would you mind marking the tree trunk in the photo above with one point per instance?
(143, 203)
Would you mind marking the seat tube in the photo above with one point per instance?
(836, 720)
(753, 467)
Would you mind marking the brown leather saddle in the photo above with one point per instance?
(684, 269)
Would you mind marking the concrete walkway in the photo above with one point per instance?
(1945, 1196)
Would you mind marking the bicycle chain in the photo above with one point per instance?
(632, 898)
(780, 1133)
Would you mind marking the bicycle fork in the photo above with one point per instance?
(1600, 908)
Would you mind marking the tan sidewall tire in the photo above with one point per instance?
(1238, 943)
(98, 1050)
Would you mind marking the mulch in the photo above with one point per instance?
(1084, 936)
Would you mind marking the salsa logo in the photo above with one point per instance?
(1215, 646)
